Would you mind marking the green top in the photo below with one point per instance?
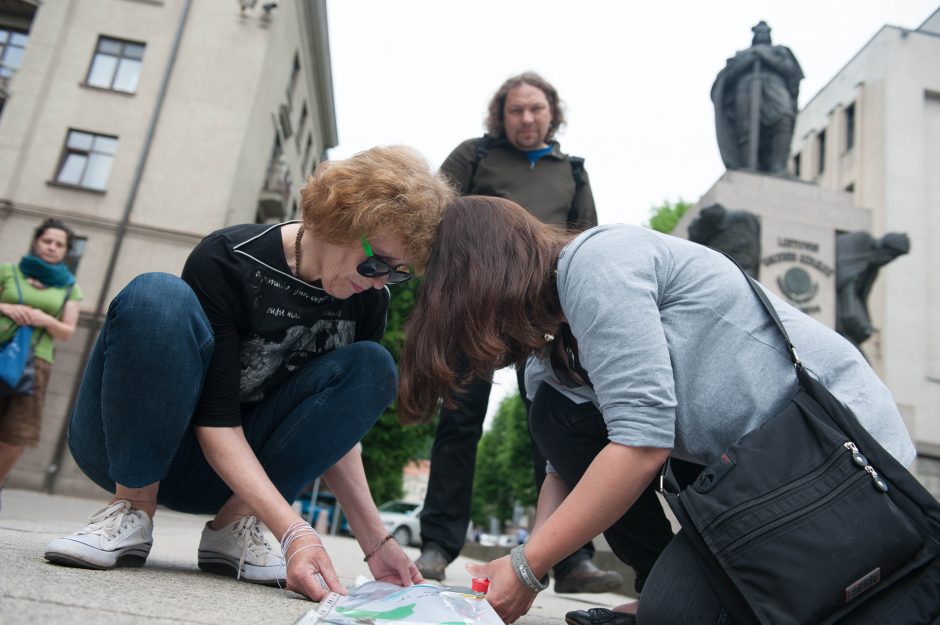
(48, 300)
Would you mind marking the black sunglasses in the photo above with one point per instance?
(376, 267)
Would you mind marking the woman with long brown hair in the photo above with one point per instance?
(640, 346)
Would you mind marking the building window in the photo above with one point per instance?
(294, 76)
(304, 164)
(283, 117)
(821, 151)
(850, 126)
(12, 46)
(797, 164)
(86, 160)
(116, 65)
(301, 125)
(74, 256)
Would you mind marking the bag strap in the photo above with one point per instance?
(762, 297)
(480, 149)
(16, 280)
(668, 484)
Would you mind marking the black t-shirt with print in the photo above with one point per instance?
(266, 322)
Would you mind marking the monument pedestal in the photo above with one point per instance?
(799, 222)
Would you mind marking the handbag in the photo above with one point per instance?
(808, 520)
(17, 371)
(17, 357)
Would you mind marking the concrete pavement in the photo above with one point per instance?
(170, 589)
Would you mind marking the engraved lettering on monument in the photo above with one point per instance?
(801, 282)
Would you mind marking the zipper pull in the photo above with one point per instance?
(857, 456)
(880, 484)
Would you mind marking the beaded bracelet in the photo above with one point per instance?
(377, 547)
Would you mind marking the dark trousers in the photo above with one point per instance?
(678, 591)
(570, 435)
(446, 514)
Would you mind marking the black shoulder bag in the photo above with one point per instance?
(809, 521)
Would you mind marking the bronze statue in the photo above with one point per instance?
(755, 98)
(859, 256)
(736, 233)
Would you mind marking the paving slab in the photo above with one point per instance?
(170, 589)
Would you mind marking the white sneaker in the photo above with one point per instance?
(116, 535)
(240, 550)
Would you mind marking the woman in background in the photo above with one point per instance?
(50, 305)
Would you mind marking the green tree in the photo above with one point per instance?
(663, 218)
(389, 445)
(504, 475)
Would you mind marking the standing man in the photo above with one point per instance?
(517, 159)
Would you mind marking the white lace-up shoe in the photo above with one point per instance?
(116, 535)
(240, 550)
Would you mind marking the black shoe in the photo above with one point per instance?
(586, 577)
(599, 616)
(432, 564)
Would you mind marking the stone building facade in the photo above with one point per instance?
(146, 124)
(873, 132)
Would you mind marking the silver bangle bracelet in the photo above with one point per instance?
(524, 572)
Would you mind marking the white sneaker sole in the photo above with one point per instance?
(221, 564)
(69, 552)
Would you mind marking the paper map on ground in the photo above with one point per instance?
(379, 603)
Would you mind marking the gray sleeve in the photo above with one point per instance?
(613, 309)
(539, 371)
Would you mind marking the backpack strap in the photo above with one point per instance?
(577, 171)
(481, 148)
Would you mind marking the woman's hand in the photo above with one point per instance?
(390, 564)
(40, 319)
(21, 314)
(309, 567)
(508, 596)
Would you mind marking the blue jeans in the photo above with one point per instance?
(132, 421)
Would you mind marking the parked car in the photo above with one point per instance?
(402, 522)
(498, 540)
(326, 504)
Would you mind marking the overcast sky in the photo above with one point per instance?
(635, 77)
